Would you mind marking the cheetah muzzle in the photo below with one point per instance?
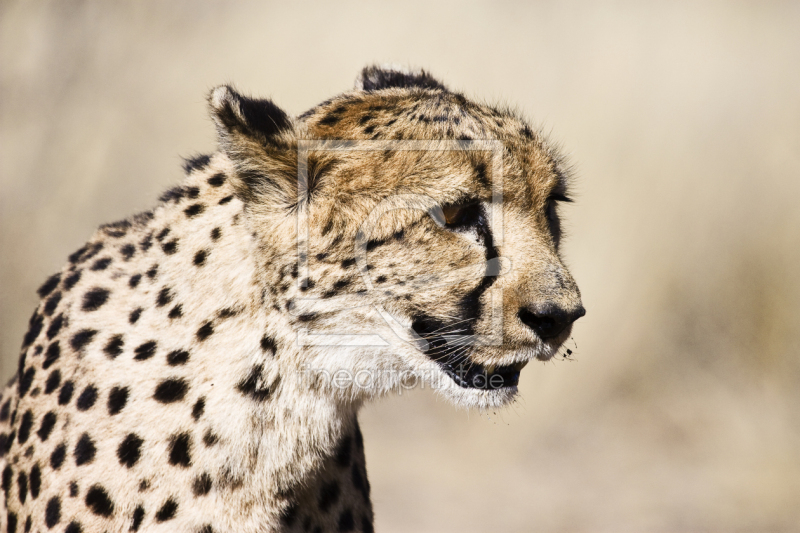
(200, 367)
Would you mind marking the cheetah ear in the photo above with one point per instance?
(375, 77)
(261, 141)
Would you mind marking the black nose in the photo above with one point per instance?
(549, 321)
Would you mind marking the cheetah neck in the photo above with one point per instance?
(276, 440)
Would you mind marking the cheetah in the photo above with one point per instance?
(200, 367)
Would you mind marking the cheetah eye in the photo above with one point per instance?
(462, 215)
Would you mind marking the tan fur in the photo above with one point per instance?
(274, 435)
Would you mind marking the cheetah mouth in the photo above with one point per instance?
(453, 359)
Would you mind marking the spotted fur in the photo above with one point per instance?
(161, 384)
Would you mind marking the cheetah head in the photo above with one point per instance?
(408, 235)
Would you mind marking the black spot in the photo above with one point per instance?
(95, 298)
(138, 516)
(202, 484)
(5, 410)
(328, 495)
(135, 314)
(21, 364)
(117, 398)
(34, 328)
(199, 408)
(116, 229)
(74, 527)
(25, 427)
(216, 233)
(209, 438)
(58, 455)
(52, 513)
(205, 331)
(380, 279)
(346, 521)
(180, 450)
(216, 180)
(152, 272)
(170, 247)
(51, 303)
(98, 501)
(147, 242)
(65, 394)
(114, 346)
(46, 427)
(36, 480)
(55, 326)
(127, 251)
(172, 195)
(225, 200)
(22, 486)
(194, 210)
(51, 355)
(145, 351)
(8, 476)
(252, 385)
(134, 281)
(171, 390)
(71, 280)
(228, 312)
(53, 381)
(341, 284)
(82, 338)
(84, 450)
(191, 164)
(87, 398)
(268, 345)
(200, 257)
(162, 234)
(343, 451)
(306, 317)
(73, 489)
(177, 357)
(6, 441)
(164, 297)
(76, 255)
(347, 263)
(176, 312)
(25, 381)
(130, 450)
(11, 522)
(144, 485)
(49, 285)
(167, 511)
(206, 529)
(101, 264)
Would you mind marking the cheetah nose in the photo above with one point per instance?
(549, 320)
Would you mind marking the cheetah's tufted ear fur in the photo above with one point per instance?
(375, 77)
(261, 140)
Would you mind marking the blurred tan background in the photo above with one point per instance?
(681, 409)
